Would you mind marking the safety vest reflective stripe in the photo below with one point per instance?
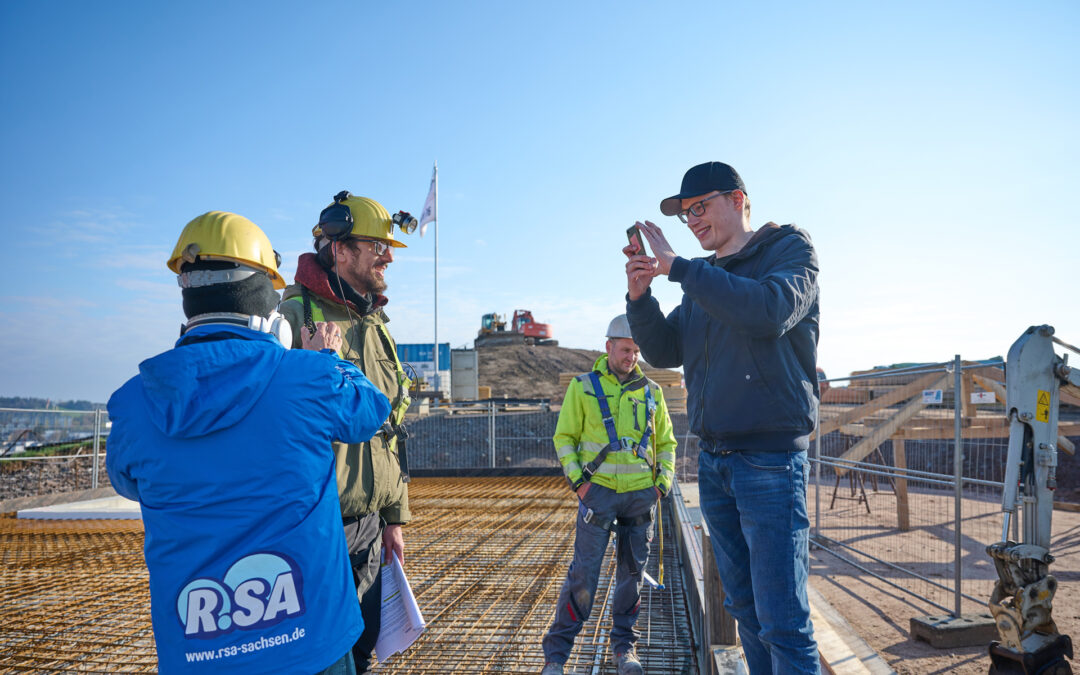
(566, 451)
(316, 311)
(631, 463)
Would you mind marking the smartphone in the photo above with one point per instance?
(633, 234)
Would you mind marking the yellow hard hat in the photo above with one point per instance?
(351, 216)
(218, 235)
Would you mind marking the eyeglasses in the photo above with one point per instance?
(377, 247)
(698, 208)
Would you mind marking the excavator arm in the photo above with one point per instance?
(1022, 600)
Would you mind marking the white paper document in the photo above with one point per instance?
(401, 619)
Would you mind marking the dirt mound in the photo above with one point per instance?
(521, 371)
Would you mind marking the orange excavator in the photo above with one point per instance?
(522, 329)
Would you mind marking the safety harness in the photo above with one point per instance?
(640, 448)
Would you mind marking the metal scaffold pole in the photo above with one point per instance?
(97, 448)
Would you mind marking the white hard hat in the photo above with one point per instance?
(619, 328)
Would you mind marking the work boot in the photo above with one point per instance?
(552, 668)
(628, 663)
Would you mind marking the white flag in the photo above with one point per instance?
(428, 214)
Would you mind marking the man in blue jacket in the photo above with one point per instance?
(746, 335)
(225, 441)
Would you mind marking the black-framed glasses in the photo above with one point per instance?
(698, 207)
(377, 247)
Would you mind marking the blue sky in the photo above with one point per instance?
(929, 148)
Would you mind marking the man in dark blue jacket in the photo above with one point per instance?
(746, 335)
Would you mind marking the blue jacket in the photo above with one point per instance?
(225, 441)
(746, 335)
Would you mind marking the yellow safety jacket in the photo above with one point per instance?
(580, 434)
(369, 476)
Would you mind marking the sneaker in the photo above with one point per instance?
(551, 668)
(628, 663)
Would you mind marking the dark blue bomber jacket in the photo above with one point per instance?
(746, 335)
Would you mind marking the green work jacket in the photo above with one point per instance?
(369, 477)
(580, 434)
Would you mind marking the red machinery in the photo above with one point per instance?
(523, 329)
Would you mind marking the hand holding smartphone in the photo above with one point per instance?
(633, 234)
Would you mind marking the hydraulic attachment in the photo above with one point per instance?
(1022, 600)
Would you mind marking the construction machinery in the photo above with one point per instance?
(522, 329)
(1022, 600)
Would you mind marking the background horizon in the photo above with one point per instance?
(929, 149)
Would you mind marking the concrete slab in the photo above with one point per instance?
(106, 508)
(729, 661)
(947, 632)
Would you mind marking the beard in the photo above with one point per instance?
(369, 282)
(617, 371)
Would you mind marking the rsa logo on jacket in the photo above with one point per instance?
(259, 590)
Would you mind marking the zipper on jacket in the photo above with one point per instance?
(705, 377)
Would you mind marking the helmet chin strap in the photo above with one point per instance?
(275, 324)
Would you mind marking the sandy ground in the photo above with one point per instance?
(881, 613)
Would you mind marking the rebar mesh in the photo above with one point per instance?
(485, 556)
(74, 597)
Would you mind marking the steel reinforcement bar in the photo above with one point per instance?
(486, 558)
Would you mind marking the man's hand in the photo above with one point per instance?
(659, 495)
(659, 245)
(640, 270)
(393, 543)
(582, 490)
(327, 336)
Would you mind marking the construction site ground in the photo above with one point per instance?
(881, 613)
(485, 556)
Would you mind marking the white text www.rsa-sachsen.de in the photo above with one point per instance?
(246, 648)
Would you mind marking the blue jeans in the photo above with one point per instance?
(343, 666)
(755, 506)
(590, 543)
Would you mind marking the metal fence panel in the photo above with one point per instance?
(49, 451)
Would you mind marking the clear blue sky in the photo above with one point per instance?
(930, 148)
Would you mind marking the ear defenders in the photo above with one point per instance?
(336, 221)
(275, 324)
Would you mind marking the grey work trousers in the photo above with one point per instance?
(363, 538)
(590, 543)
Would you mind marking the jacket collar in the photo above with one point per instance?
(311, 275)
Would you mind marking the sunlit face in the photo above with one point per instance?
(721, 221)
(361, 267)
(622, 356)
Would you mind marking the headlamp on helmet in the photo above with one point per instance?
(352, 216)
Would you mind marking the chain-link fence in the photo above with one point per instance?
(50, 451)
(907, 478)
(906, 474)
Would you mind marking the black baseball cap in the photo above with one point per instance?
(702, 179)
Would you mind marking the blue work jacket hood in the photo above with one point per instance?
(203, 387)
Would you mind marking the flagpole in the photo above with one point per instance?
(436, 312)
